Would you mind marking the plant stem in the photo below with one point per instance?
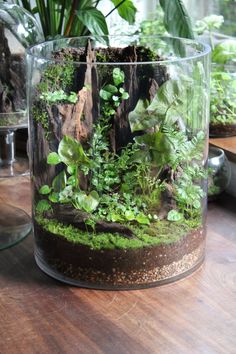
(116, 7)
(44, 18)
(71, 18)
(59, 30)
(26, 5)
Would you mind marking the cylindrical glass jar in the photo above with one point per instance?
(223, 100)
(119, 142)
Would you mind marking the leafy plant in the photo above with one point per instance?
(224, 52)
(75, 18)
(113, 94)
(57, 96)
(223, 98)
(176, 19)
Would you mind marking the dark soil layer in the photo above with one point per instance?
(222, 130)
(118, 267)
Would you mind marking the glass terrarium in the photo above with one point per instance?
(219, 172)
(18, 29)
(119, 148)
(223, 100)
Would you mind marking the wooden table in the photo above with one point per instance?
(195, 315)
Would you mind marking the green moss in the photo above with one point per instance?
(57, 76)
(41, 116)
(160, 232)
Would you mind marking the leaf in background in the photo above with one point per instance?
(176, 19)
(94, 20)
(138, 118)
(224, 52)
(126, 10)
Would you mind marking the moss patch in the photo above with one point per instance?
(161, 232)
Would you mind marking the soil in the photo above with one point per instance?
(117, 268)
(222, 130)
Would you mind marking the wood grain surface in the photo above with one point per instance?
(39, 315)
(227, 144)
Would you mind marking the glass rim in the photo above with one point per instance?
(206, 50)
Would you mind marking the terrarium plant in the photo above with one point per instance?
(119, 168)
(223, 79)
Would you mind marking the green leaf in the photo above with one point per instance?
(129, 215)
(107, 92)
(176, 19)
(45, 190)
(142, 219)
(139, 118)
(53, 158)
(166, 95)
(66, 194)
(43, 206)
(174, 215)
(224, 52)
(94, 20)
(54, 197)
(71, 151)
(209, 23)
(126, 10)
(59, 182)
(158, 146)
(86, 202)
(118, 76)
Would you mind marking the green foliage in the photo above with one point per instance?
(65, 186)
(88, 203)
(154, 26)
(93, 20)
(224, 52)
(113, 94)
(209, 23)
(174, 215)
(127, 187)
(71, 152)
(126, 10)
(176, 19)
(57, 96)
(166, 107)
(43, 206)
(223, 98)
(75, 18)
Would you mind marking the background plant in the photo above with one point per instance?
(73, 17)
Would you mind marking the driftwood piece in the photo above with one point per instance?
(77, 218)
(77, 119)
(12, 77)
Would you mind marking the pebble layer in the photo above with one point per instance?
(116, 279)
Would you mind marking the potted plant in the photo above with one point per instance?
(119, 149)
